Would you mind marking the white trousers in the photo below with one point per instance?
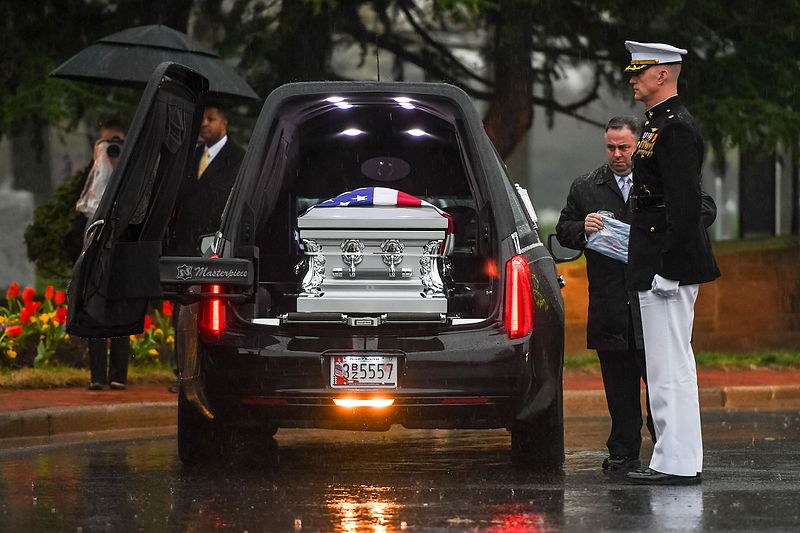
(672, 381)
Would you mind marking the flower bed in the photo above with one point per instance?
(32, 333)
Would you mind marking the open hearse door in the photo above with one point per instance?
(117, 272)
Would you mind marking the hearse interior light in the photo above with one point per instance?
(416, 132)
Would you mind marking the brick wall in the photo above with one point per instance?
(754, 306)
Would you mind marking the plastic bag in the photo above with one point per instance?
(95, 183)
(612, 240)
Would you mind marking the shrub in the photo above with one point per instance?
(51, 222)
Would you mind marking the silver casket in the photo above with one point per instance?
(376, 259)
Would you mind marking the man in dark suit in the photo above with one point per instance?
(204, 192)
(614, 326)
(206, 188)
(669, 255)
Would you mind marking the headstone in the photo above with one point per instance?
(16, 214)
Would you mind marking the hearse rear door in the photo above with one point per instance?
(118, 270)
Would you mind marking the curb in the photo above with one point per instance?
(49, 422)
(52, 422)
(739, 398)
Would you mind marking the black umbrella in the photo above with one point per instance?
(128, 58)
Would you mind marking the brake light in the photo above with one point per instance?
(518, 319)
(213, 317)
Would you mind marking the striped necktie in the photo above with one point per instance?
(626, 187)
(203, 162)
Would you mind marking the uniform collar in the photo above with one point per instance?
(664, 106)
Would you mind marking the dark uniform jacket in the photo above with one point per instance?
(610, 303)
(668, 236)
(199, 206)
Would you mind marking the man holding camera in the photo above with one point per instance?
(108, 367)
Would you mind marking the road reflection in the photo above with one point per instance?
(372, 511)
(396, 481)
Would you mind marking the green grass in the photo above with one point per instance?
(749, 245)
(773, 359)
(58, 377)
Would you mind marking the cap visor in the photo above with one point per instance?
(633, 69)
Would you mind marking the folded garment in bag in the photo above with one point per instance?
(612, 240)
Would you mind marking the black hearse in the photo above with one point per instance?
(249, 361)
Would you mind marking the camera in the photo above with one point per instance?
(114, 147)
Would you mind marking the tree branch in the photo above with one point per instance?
(440, 48)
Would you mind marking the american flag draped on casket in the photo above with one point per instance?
(373, 249)
(370, 196)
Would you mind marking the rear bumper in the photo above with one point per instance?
(467, 379)
(410, 412)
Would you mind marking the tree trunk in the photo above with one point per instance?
(510, 113)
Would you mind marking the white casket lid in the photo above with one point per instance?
(373, 217)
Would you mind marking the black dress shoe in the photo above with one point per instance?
(95, 385)
(648, 476)
(620, 463)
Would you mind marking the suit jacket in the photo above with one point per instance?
(198, 209)
(610, 303)
(668, 236)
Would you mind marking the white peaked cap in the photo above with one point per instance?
(645, 55)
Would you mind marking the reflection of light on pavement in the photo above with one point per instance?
(513, 518)
(371, 511)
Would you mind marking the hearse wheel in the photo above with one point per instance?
(539, 444)
(200, 441)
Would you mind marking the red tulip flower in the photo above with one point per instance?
(148, 323)
(32, 307)
(27, 295)
(13, 331)
(25, 315)
(49, 292)
(13, 290)
(61, 315)
(59, 298)
(166, 308)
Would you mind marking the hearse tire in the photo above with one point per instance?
(539, 444)
(199, 441)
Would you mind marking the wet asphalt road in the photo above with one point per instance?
(403, 480)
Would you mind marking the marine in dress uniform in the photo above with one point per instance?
(614, 327)
(669, 255)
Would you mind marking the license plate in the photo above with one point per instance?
(367, 371)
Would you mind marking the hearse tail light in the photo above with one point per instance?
(518, 319)
(375, 403)
(213, 315)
